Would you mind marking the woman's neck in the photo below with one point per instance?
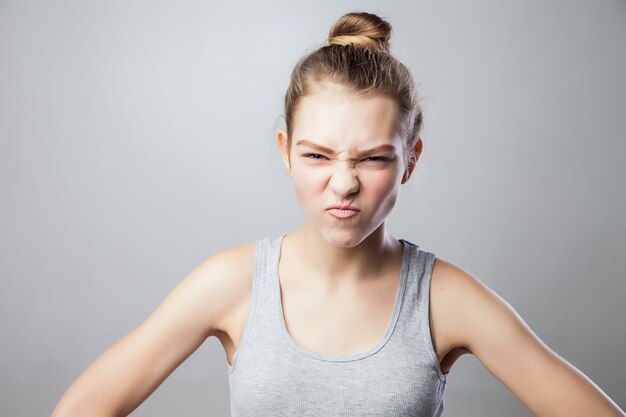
(357, 264)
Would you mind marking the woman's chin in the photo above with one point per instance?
(343, 238)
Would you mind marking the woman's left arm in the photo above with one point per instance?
(492, 330)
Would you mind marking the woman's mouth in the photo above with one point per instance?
(342, 213)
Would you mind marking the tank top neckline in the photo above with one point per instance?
(391, 323)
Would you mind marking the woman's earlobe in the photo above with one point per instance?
(281, 141)
(408, 171)
(417, 151)
(405, 176)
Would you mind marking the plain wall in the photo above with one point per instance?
(137, 139)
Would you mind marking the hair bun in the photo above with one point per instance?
(361, 29)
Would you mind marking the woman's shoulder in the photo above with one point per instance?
(232, 258)
(446, 284)
(451, 277)
(225, 277)
(235, 266)
(229, 263)
(463, 308)
(455, 296)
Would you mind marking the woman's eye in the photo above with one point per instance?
(313, 155)
(370, 158)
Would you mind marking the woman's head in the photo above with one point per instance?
(356, 59)
(353, 124)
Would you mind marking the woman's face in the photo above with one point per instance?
(345, 151)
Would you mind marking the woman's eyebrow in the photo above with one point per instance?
(382, 148)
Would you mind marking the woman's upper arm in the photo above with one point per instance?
(123, 376)
(481, 321)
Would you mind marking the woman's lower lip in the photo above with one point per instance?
(342, 214)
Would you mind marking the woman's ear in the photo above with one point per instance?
(281, 141)
(413, 157)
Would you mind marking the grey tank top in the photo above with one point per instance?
(272, 375)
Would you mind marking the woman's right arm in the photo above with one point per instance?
(122, 377)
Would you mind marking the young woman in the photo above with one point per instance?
(338, 317)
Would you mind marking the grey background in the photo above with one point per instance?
(137, 138)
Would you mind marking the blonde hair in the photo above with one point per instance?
(356, 57)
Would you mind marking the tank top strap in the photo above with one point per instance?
(415, 313)
(266, 274)
(261, 323)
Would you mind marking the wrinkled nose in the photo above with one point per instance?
(344, 180)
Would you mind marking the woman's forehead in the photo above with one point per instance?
(340, 119)
(333, 98)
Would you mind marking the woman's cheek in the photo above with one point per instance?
(313, 178)
(310, 188)
(378, 183)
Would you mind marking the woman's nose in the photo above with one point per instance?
(344, 180)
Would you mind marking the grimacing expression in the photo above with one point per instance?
(345, 151)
